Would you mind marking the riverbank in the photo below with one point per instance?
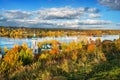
(20, 32)
(10, 42)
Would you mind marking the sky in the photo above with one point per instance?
(71, 14)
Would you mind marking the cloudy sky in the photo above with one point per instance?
(74, 14)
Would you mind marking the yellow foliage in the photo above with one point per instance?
(84, 59)
(102, 57)
(5, 49)
(16, 46)
(79, 45)
(25, 46)
(42, 56)
(64, 66)
(74, 57)
(40, 44)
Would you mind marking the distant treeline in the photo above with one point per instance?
(23, 32)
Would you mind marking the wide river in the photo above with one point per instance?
(10, 42)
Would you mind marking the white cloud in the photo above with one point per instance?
(0, 15)
(113, 4)
(67, 23)
(92, 10)
(2, 19)
(65, 17)
(95, 22)
(64, 13)
(17, 14)
(94, 15)
(118, 24)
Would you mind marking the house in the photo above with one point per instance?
(35, 48)
(45, 46)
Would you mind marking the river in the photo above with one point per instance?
(10, 42)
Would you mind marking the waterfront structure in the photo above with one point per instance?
(34, 45)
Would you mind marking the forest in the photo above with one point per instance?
(59, 39)
(22, 32)
(99, 60)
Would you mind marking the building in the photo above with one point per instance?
(34, 45)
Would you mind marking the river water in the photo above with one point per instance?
(10, 42)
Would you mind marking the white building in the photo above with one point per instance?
(0, 55)
(34, 44)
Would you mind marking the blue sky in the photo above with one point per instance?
(79, 14)
(37, 4)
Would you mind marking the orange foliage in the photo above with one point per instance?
(68, 49)
(11, 57)
(91, 48)
(54, 51)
